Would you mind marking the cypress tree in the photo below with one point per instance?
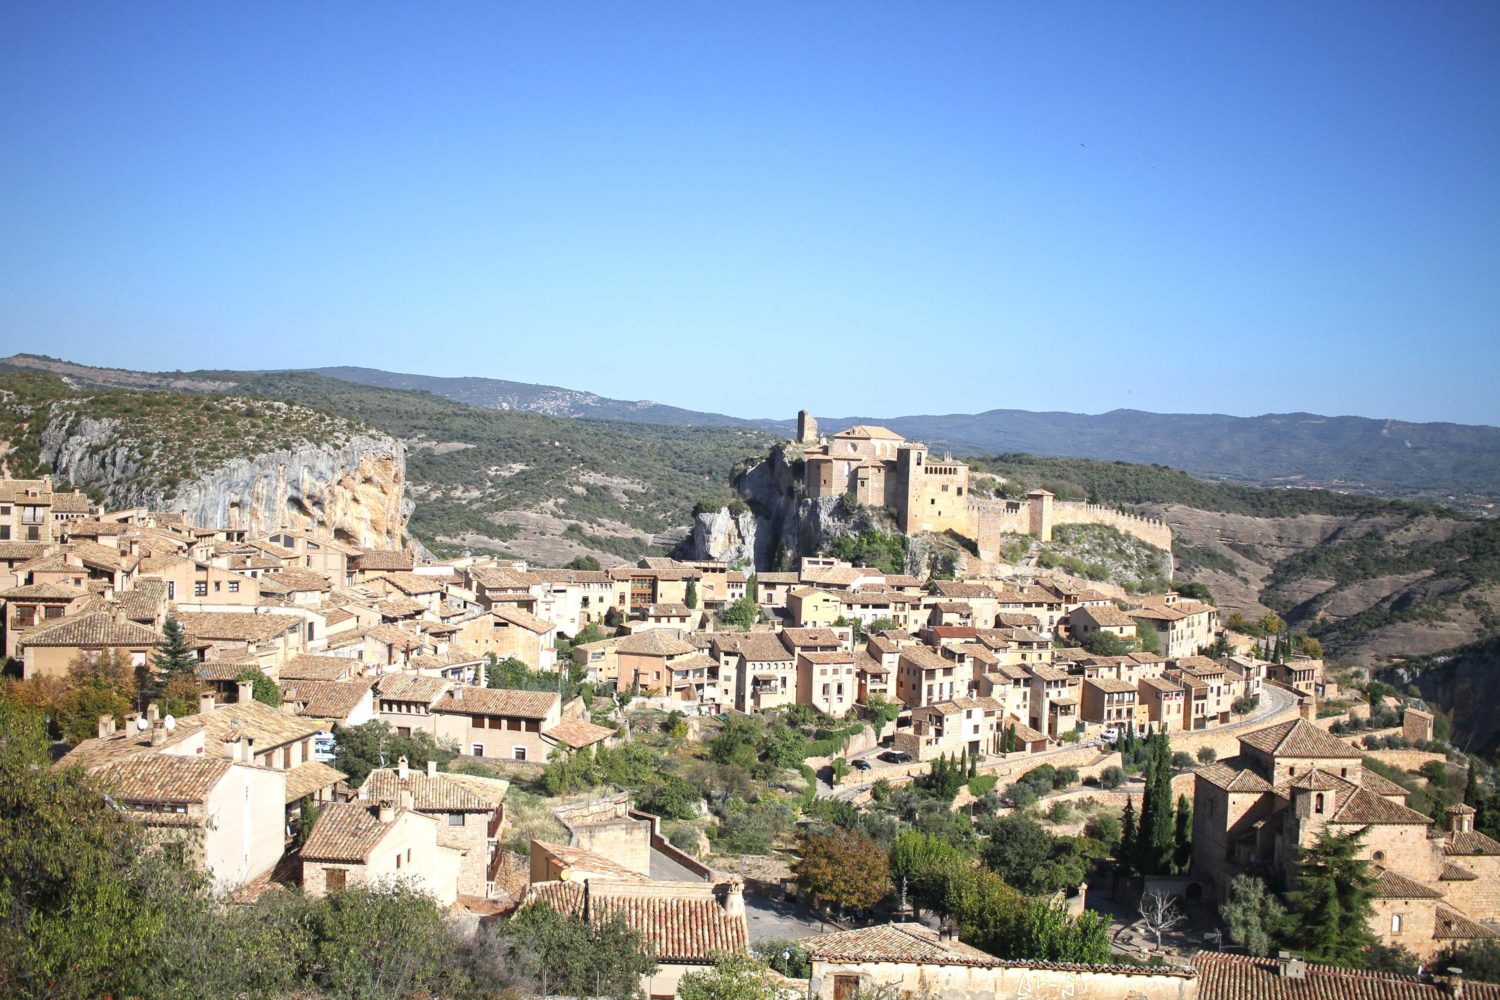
(1333, 900)
(1182, 851)
(1156, 842)
(1128, 838)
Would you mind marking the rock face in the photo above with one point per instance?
(354, 489)
(724, 537)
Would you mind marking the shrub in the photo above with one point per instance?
(1064, 777)
(1181, 760)
(1112, 777)
(1207, 755)
(981, 784)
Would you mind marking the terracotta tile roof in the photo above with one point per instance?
(307, 667)
(776, 578)
(683, 924)
(1452, 925)
(310, 776)
(1393, 885)
(1364, 808)
(296, 579)
(798, 637)
(144, 601)
(435, 793)
(965, 591)
(332, 700)
(668, 611)
(41, 592)
(236, 626)
(1233, 779)
(755, 647)
(1240, 977)
(1469, 843)
(523, 619)
(455, 656)
(834, 656)
(1160, 684)
(654, 642)
(268, 727)
(414, 583)
(1298, 738)
(588, 863)
(21, 551)
(1110, 685)
(1315, 780)
(92, 631)
(345, 831)
(925, 659)
(382, 560)
(578, 734)
(398, 606)
(410, 687)
(1455, 873)
(161, 777)
(468, 700)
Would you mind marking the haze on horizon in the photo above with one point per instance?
(872, 209)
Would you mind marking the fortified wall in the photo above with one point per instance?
(1040, 512)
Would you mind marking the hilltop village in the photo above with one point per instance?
(755, 774)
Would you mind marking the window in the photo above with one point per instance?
(398, 861)
(1395, 923)
(200, 588)
(455, 819)
(518, 753)
(845, 987)
(1318, 803)
(234, 586)
(171, 590)
(334, 879)
(4, 532)
(217, 586)
(477, 750)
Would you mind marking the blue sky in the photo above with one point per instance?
(860, 207)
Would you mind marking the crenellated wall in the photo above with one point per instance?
(1016, 517)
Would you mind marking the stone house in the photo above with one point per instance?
(809, 607)
(645, 660)
(1108, 702)
(1054, 700)
(826, 681)
(1290, 782)
(1085, 621)
(404, 701)
(266, 640)
(508, 631)
(924, 677)
(486, 722)
(757, 668)
(467, 822)
(52, 650)
(375, 843)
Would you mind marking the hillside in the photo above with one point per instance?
(1374, 579)
(1448, 463)
(222, 460)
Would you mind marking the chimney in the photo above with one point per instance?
(432, 769)
(246, 692)
(458, 694)
(158, 734)
(1291, 966)
(231, 749)
(1451, 982)
(205, 702)
(734, 898)
(130, 721)
(152, 713)
(106, 726)
(386, 812)
(402, 771)
(406, 799)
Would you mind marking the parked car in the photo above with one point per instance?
(896, 757)
(325, 747)
(861, 764)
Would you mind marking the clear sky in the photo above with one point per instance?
(865, 208)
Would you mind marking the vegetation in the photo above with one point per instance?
(363, 748)
(1103, 552)
(263, 689)
(873, 548)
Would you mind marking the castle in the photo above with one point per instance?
(880, 468)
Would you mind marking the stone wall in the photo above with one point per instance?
(965, 982)
(1015, 517)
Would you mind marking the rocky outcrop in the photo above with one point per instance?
(725, 536)
(353, 488)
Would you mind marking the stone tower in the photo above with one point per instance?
(1041, 515)
(807, 428)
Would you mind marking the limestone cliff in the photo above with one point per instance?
(352, 484)
(725, 536)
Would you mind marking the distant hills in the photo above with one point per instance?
(1389, 457)
(1434, 461)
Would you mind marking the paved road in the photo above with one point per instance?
(777, 920)
(664, 869)
(1273, 701)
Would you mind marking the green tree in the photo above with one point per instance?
(365, 747)
(1255, 918)
(1193, 591)
(588, 563)
(557, 954)
(1155, 842)
(1102, 643)
(97, 685)
(690, 594)
(843, 869)
(1182, 835)
(1207, 754)
(733, 977)
(1018, 848)
(1129, 848)
(1332, 899)
(1147, 638)
(381, 941)
(1050, 934)
(265, 690)
(174, 657)
(742, 613)
(924, 864)
(882, 711)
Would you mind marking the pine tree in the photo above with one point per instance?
(1182, 835)
(173, 659)
(690, 596)
(1128, 838)
(1333, 899)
